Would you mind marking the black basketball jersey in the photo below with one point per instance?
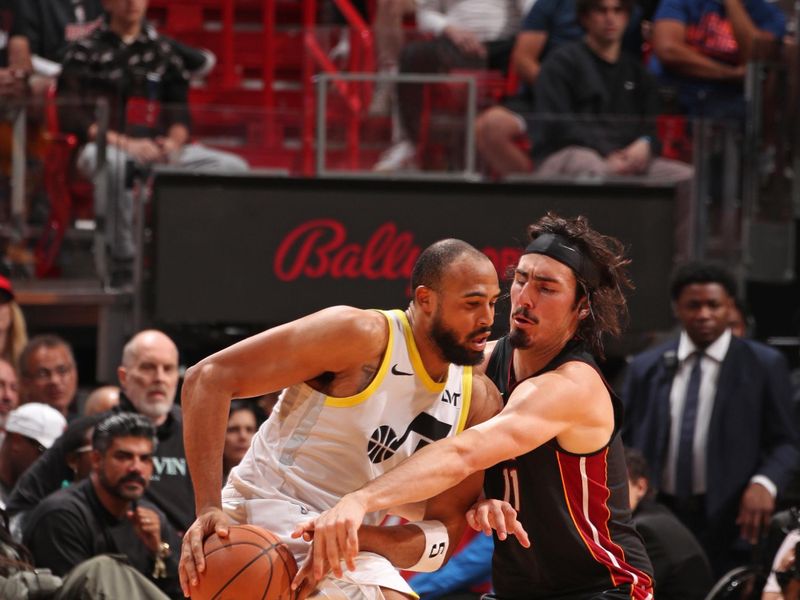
(574, 507)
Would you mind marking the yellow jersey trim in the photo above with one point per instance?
(360, 397)
(416, 361)
(466, 397)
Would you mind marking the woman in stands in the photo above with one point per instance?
(13, 332)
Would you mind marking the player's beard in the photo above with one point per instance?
(517, 337)
(452, 350)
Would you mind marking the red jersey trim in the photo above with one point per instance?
(585, 483)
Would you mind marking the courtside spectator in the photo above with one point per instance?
(740, 320)
(30, 430)
(242, 426)
(66, 461)
(149, 380)
(13, 331)
(9, 392)
(49, 374)
(107, 513)
(148, 377)
(18, 578)
(680, 565)
(101, 400)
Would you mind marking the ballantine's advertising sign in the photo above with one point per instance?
(261, 251)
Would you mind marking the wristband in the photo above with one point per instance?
(437, 541)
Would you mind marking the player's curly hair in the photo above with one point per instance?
(608, 307)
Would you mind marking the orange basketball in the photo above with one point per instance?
(250, 563)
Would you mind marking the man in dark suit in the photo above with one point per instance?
(711, 414)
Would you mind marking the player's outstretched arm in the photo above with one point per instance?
(269, 361)
(539, 410)
(425, 545)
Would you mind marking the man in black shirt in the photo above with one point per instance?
(105, 514)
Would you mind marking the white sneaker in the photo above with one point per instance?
(399, 157)
(341, 51)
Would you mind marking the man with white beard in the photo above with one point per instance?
(148, 378)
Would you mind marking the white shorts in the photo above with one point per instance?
(282, 516)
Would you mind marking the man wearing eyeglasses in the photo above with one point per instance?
(49, 374)
(30, 430)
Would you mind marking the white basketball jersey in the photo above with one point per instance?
(315, 448)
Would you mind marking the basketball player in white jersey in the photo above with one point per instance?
(364, 390)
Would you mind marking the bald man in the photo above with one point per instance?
(101, 400)
(148, 379)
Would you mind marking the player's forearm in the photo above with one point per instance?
(425, 474)
(205, 416)
(401, 545)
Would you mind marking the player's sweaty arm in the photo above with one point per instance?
(266, 362)
(407, 546)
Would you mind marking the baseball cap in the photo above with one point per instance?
(6, 289)
(37, 421)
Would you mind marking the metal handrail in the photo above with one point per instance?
(355, 95)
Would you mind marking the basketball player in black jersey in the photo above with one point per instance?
(555, 466)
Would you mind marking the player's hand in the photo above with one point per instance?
(755, 511)
(498, 515)
(335, 534)
(193, 560)
(305, 582)
(147, 525)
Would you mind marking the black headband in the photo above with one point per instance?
(561, 249)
